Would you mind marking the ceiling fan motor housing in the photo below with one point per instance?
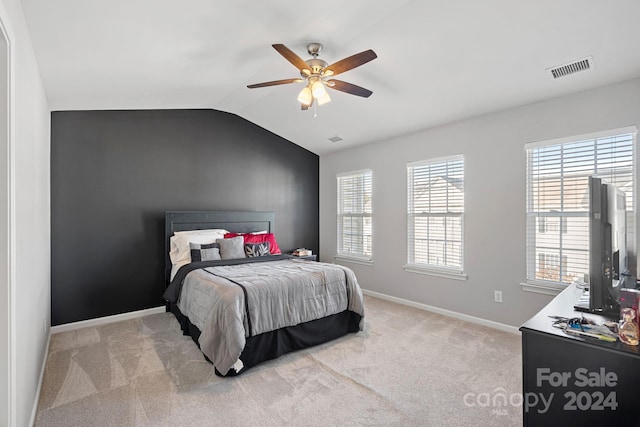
(315, 65)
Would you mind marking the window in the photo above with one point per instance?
(552, 225)
(354, 215)
(549, 266)
(558, 200)
(435, 214)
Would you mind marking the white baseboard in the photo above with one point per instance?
(105, 320)
(34, 411)
(466, 317)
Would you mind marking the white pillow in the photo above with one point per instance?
(180, 252)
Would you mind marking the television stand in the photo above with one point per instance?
(572, 380)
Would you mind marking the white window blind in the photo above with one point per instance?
(354, 214)
(436, 213)
(558, 200)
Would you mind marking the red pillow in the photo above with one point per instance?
(274, 249)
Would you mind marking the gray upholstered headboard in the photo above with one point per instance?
(234, 221)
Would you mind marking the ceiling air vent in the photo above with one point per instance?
(572, 68)
(335, 138)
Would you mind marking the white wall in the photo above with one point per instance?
(31, 288)
(5, 208)
(493, 146)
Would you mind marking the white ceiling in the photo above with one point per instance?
(438, 61)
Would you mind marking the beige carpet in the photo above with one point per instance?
(407, 368)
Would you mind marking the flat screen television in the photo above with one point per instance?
(607, 246)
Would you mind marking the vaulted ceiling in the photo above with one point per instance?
(438, 61)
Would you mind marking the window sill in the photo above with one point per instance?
(355, 260)
(449, 274)
(542, 288)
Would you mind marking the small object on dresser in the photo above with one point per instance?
(302, 252)
(630, 298)
(629, 327)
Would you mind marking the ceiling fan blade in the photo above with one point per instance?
(291, 57)
(349, 88)
(351, 62)
(274, 83)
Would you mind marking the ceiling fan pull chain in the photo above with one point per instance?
(315, 110)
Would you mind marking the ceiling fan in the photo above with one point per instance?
(317, 74)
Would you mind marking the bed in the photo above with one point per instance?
(243, 311)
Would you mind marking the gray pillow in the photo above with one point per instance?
(204, 251)
(231, 248)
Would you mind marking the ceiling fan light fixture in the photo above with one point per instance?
(324, 99)
(305, 96)
(318, 89)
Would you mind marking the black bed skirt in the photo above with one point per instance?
(271, 345)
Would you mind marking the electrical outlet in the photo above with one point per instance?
(497, 296)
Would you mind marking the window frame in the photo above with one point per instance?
(351, 256)
(441, 270)
(552, 287)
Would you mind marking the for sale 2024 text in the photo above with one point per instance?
(583, 400)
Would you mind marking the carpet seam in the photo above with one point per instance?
(356, 383)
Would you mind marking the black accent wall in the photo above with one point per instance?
(115, 173)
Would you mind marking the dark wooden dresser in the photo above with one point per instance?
(575, 381)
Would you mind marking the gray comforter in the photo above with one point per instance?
(275, 294)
